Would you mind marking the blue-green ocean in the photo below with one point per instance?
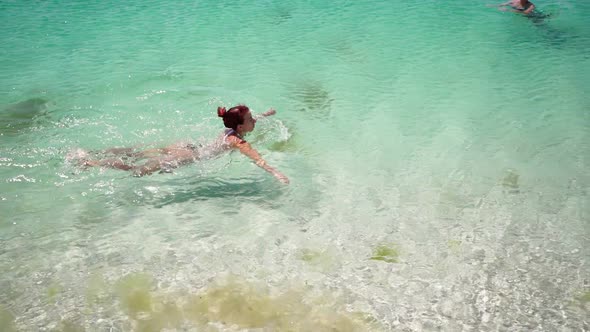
(438, 153)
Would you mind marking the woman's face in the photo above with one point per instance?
(249, 123)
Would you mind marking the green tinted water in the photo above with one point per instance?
(437, 153)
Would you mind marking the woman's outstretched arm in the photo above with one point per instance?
(267, 113)
(246, 149)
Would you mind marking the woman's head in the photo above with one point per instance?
(237, 118)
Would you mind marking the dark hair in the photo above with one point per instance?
(234, 116)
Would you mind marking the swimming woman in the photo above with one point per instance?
(519, 6)
(238, 120)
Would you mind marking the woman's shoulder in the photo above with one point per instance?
(231, 138)
(234, 140)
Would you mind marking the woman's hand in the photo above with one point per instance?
(281, 177)
(269, 112)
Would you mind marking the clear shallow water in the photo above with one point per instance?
(437, 153)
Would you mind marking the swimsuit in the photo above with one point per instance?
(200, 152)
(230, 132)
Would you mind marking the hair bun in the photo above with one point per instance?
(221, 111)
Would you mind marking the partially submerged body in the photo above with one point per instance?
(238, 121)
(159, 159)
(519, 6)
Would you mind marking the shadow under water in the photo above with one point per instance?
(204, 189)
(313, 96)
(282, 15)
(541, 21)
(22, 115)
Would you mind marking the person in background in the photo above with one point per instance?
(519, 6)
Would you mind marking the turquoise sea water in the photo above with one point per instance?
(437, 152)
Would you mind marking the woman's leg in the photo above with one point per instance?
(118, 151)
(173, 159)
(152, 165)
(111, 163)
(134, 153)
(149, 167)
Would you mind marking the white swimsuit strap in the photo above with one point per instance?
(228, 133)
